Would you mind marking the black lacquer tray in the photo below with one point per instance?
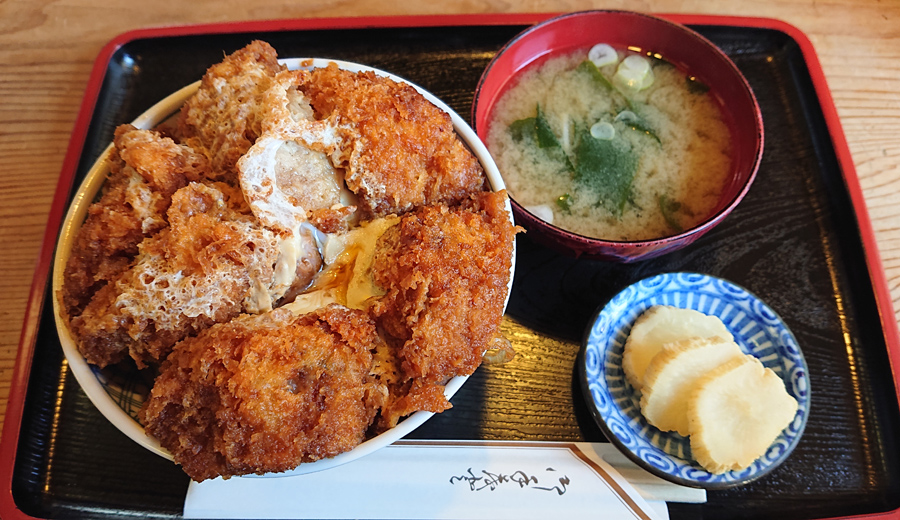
(799, 241)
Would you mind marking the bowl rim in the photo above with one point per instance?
(570, 236)
(600, 420)
(86, 192)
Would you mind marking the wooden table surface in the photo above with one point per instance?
(47, 49)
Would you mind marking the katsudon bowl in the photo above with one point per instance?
(624, 79)
(119, 391)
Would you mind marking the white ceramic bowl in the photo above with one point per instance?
(118, 395)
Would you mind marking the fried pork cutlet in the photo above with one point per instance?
(223, 118)
(145, 170)
(210, 264)
(287, 173)
(180, 265)
(445, 271)
(400, 151)
(266, 393)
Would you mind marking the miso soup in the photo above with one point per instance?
(617, 145)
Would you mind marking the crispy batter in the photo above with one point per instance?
(284, 180)
(336, 220)
(266, 393)
(409, 397)
(223, 118)
(288, 172)
(146, 170)
(399, 149)
(445, 270)
(208, 266)
(184, 270)
(100, 331)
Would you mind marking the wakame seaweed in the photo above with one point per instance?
(538, 130)
(668, 208)
(606, 167)
(637, 123)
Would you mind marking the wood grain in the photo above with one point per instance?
(47, 49)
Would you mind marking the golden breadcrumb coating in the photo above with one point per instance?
(288, 172)
(400, 150)
(223, 118)
(445, 270)
(266, 393)
(211, 264)
(146, 170)
(199, 237)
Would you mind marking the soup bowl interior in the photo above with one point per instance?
(675, 43)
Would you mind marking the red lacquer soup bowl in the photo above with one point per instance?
(686, 49)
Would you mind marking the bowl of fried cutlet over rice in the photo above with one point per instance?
(284, 266)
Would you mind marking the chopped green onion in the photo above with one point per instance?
(633, 74)
(603, 54)
(603, 131)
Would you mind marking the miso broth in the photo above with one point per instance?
(612, 155)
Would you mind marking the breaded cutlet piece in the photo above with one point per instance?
(399, 149)
(265, 393)
(223, 117)
(145, 170)
(445, 271)
(212, 263)
(287, 173)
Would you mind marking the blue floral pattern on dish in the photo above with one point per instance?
(757, 329)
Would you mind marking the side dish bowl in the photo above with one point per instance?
(652, 36)
(117, 391)
(615, 404)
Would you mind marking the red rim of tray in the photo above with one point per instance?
(19, 383)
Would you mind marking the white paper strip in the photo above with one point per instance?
(461, 480)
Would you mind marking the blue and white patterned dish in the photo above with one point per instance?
(615, 404)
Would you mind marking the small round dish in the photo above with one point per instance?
(615, 404)
(118, 391)
(678, 45)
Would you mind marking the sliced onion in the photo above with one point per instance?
(564, 138)
(603, 54)
(604, 131)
